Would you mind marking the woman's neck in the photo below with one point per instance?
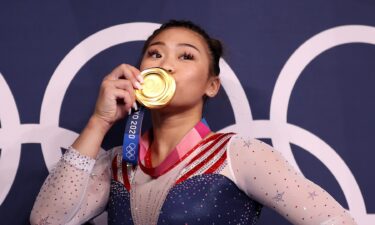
(168, 130)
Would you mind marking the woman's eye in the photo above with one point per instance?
(154, 54)
(187, 56)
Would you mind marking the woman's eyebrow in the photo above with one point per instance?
(157, 43)
(189, 45)
(180, 44)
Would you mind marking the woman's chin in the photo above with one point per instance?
(177, 108)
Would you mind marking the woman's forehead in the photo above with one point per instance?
(180, 35)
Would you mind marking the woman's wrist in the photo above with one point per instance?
(98, 124)
(89, 141)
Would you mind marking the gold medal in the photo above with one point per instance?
(158, 88)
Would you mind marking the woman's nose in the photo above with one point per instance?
(168, 66)
(170, 70)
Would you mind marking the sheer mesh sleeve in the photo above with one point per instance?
(265, 176)
(76, 190)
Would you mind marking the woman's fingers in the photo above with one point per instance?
(128, 72)
(126, 97)
(125, 85)
(117, 95)
(122, 86)
(137, 74)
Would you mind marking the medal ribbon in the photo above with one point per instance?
(130, 147)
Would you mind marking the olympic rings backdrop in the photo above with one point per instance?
(299, 75)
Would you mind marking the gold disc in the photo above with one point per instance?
(158, 88)
(153, 86)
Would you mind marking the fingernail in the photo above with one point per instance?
(130, 111)
(138, 85)
(135, 106)
(140, 78)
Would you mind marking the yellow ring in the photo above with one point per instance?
(158, 88)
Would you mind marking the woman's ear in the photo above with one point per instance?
(213, 86)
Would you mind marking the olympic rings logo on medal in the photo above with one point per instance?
(52, 137)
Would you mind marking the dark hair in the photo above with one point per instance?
(214, 45)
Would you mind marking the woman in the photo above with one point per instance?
(186, 173)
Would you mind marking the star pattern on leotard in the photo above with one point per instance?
(279, 197)
(44, 221)
(312, 195)
(246, 143)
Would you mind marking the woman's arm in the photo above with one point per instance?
(78, 187)
(76, 190)
(265, 176)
